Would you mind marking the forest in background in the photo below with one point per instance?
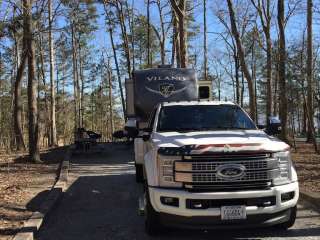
(63, 63)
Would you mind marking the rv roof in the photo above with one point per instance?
(197, 103)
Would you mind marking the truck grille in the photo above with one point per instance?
(202, 172)
(249, 176)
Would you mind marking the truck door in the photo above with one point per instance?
(140, 146)
(150, 126)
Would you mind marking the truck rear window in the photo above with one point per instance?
(203, 118)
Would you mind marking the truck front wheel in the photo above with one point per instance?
(291, 221)
(139, 173)
(152, 223)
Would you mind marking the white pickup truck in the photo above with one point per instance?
(207, 165)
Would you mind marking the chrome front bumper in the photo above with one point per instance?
(182, 195)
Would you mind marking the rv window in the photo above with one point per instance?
(204, 92)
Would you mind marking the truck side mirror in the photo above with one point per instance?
(273, 126)
(146, 134)
(273, 129)
(119, 134)
(132, 131)
(148, 130)
(146, 137)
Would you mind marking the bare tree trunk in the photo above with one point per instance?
(131, 27)
(311, 131)
(263, 9)
(32, 86)
(298, 114)
(17, 102)
(180, 12)
(173, 39)
(176, 42)
(269, 77)
(242, 90)
(283, 109)
(304, 122)
(236, 68)
(162, 39)
(75, 78)
(81, 83)
(110, 100)
(148, 33)
(53, 127)
(276, 85)
(17, 111)
(309, 68)
(205, 40)
(302, 79)
(46, 105)
(243, 64)
(1, 70)
(253, 71)
(115, 58)
(124, 37)
(118, 72)
(269, 61)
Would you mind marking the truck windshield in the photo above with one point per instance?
(202, 118)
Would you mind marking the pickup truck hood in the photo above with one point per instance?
(220, 141)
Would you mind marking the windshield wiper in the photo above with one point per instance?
(223, 128)
(240, 128)
(201, 129)
(187, 129)
(176, 129)
(213, 128)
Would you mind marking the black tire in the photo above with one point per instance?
(153, 225)
(291, 221)
(139, 173)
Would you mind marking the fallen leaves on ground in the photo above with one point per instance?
(20, 182)
(307, 164)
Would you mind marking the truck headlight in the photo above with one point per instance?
(166, 172)
(285, 164)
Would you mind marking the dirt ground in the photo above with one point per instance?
(23, 186)
(307, 164)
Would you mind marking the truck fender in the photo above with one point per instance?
(150, 168)
(294, 176)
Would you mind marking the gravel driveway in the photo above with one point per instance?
(102, 200)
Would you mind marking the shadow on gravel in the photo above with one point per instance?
(34, 205)
(15, 214)
(8, 231)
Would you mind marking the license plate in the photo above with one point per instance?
(233, 212)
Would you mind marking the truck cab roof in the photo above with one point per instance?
(189, 103)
